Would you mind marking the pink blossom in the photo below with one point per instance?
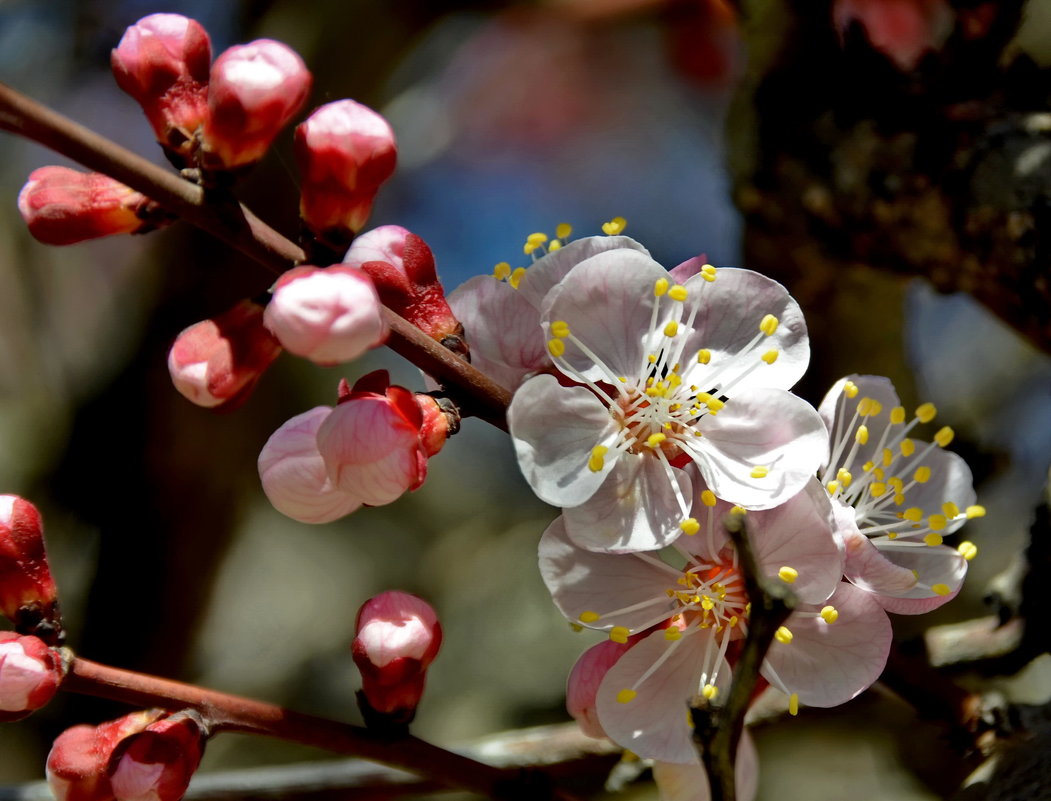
(398, 636)
(328, 315)
(902, 29)
(218, 361)
(30, 673)
(63, 206)
(28, 595)
(253, 91)
(157, 763)
(586, 677)
(163, 62)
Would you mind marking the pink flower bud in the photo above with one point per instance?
(371, 441)
(398, 636)
(158, 763)
(584, 680)
(328, 315)
(902, 29)
(440, 420)
(78, 764)
(345, 151)
(254, 90)
(294, 476)
(402, 268)
(163, 62)
(30, 673)
(217, 362)
(28, 596)
(63, 206)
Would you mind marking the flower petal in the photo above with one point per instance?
(681, 782)
(866, 566)
(937, 565)
(837, 410)
(546, 272)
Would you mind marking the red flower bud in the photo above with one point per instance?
(402, 268)
(158, 763)
(254, 90)
(30, 673)
(345, 151)
(217, 362)
(62, 206)
(398, 636)
(163, 62)
(28, 596)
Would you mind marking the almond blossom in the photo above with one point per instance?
(895, 498)
(692, 619)
(652, 375)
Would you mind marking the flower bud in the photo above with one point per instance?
(217, 362)
(328, 315)
(158, 763)
(63, 206)
(28, 596)
(398, 636)
(254, 90)
(293, 473)
(371, 441)
(345, 151)
(584, 680)
(30, 673)
(402, 268)
(903, 30)
(163, 62)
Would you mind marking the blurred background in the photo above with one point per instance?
(511, 118)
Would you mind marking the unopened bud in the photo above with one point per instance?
(371, 441)
(28, 596)
(63, 206)
(345, 151)
(328, 315)
(217, 362)
(158, 763)
(441, 419)
(402, 268)
(398, 636)
(163, 61)
(293, 473)
(584, 680)
(901, 29)
(254, 90)
(30, 673)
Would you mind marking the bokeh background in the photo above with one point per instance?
(511, 118)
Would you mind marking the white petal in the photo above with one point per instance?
(837, 410)
(680, 782)
(939, 564)
(552, 268)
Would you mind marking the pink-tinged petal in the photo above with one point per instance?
(827, 664)
(545, 272)
(682, 273)
(729, 311)
(293, 473)
(586, 581)
(767, 428)
(837, 409)
(584, 680)
(950, 480)
(502, 329)
(637, 508)
(654, 724)
(866, 566)
(680, 782)
(554, 429)
(607, 301)
(937, 565)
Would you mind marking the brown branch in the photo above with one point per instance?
(221, 216)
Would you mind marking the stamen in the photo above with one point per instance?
(862, 435)
(710, 691)
(589, 617)
(759, 471)
(614, 226)
(672, 634)
(597, 461)
(660, 287)
(690, 526)
(708, 498)
(704, 356)
(516, 277)
(768, 325)
(783, 635)
(897, 415)
(829, 614)
(908, 447)
(944, 436)
(975, 511)
(793, 704)
(501, 271)
(968, 550)
(556, 347)
(671, 329)
(770, 356)
(619, 634)
(678, 292)
(560, 329)
(563, 230)
(708, 273)
(850, 389)
(922, 475)
(626, 695)
(788, 574)
(940, 589)
(926, 412)
(933, 539)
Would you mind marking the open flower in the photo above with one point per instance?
(661, 375)
(832, 647)
(895, 498)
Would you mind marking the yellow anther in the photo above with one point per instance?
(704, 356)
(652, 359)
(868, 466)
(878, 473)
(672, 634)
(614, 226)
(926, 412)
(932, 539)
(563, 230)
(897, 415)
(788, 574)
(975, 511)
(529, 247)
(937, 522)
(732, 621)
(759, 471)
(678, 292)
(897, 483)
(660, 287)
(832, 487)
(793, 704)
(844, 477)
(850, 389)
(887, 457)
(940, 589)
(783, 635)
(829, 614)
(878, 489)
(707, 604)
(714, 405)
(576, 627)
(968, 550)
(671, 329)
(950, 510)
(869, 407)
(556, 347)
(768, 324)
(738, 510)
(708, 498)
(922, 474)
(861, 436)
(597, 459)
(501, 271)
(516, 277)
(770, 356)
(892, 535)
(908, 447)
(690, 526)
(748, 608)
(899, 499)
(626, 695)
(619, 634)
(710, 691)
(537, 238)
(654, 440)
(554, 245)
(913, 514)
(708, 273)
(944, 436)
(589, 617)
(560, 329)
